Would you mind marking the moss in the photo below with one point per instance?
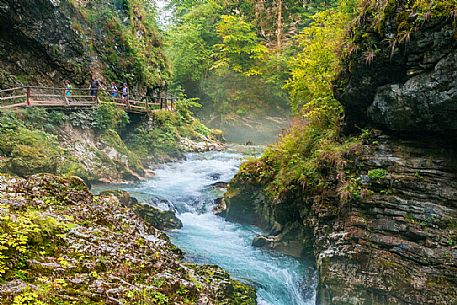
(128, 42)
(161, 139)
(378, 20)
(114, 140)
(28, 151)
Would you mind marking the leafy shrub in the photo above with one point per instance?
(24, 235)
(377, 174)
(108, 116)
(33, 117)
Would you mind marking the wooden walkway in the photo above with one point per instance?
(50, 97)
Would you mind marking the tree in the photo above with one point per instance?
(240, 49)
(317, 64)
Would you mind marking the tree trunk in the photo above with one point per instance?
(279, 28)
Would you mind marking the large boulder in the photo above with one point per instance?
(403, 76)
(160, 219)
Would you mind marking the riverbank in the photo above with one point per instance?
(62, 245)
(99, 145)
(187, 187)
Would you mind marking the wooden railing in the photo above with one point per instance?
(53, 97)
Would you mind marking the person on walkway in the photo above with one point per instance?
(94, 85)
(114, 89)
(68, 89)
(125, 93)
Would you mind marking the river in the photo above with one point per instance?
(206, 238)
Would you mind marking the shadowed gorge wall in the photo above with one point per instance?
(48, 41)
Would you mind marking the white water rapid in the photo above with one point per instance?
(206, 238)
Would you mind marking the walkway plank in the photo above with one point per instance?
(37, 97)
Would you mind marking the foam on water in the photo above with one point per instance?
(206, 238)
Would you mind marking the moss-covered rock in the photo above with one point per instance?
(61, 245)
(161, 220)
(399, 67)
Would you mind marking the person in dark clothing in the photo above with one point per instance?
(94, 85)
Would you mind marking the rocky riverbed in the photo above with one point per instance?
(62, 245)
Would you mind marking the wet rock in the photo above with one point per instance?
(260, 241)
(161, 203)
(124, 197)
(214, 176)
(195, 146)
(163, 220)
(219, 184)
(220, 208)
(411, 88)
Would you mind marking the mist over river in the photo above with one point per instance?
(209, 239)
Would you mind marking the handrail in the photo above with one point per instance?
(12, 97)
(135, 103)
(11, 89)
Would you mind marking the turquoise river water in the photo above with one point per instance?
(206, 238)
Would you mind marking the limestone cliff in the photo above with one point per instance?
(48, 41)
(378, 216)
(400, 73)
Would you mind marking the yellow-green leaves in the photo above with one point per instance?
(240, 49)
(317, 64)
(21, 233)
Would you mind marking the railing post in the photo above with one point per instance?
(147, 104)
(29, 101)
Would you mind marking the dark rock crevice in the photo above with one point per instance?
(411, 90)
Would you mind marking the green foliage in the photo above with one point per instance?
(108, 116)
(219, 57)
(377, 174)
(392, 24)
(128, 41)
(29, 150)
(316, 66)
(105, 117)
(27, 298)
(189, 43)
(240, 49)
(35, 118)
(23, 236)
(184, 106)
(298, 155)
(158, 140)
(312, 150)
(161, 139)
